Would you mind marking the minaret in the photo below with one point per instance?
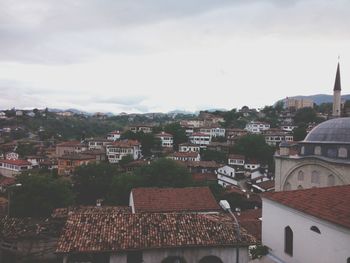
(337, 95)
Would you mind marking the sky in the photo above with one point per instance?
(140, 56)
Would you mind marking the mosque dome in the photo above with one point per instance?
(331, 131)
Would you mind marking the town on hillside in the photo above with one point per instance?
(245, 185)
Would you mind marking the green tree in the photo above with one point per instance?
(211, 155)
(299, 133)
(305, 115)
(160, 173)
(25, 149)
(39, 195)
(165, 173)
(92, 182)
(253, 146)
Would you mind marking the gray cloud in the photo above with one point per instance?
(50, 31)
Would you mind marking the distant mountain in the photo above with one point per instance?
(321, 98)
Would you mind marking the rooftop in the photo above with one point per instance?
(331, 131)
(16, 162)
(123, 232)
(329, 203)
(193, 199)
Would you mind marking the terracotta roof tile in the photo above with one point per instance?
(16, 162)
(327, 203)
(122, 232)
(194, 199)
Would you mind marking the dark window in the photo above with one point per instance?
(134, 257)
(348, 260)
(315, 229)
(288, 241)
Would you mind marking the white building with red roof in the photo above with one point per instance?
(201, 139)
(10, 168)
(166, 139)
(309, 225)
(185, 156)
(118, 149)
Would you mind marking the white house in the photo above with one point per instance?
(166, 139)
(113, 136)
(251, 165)
(236, 160)
(217, 132)
(310, 225)
(226, 176)
(257, 127)
(274, 137)
(185, 156)
(189, 147)
(11, 168)
(287, 128)
(118, 149)
(2, 115)
(200, 139)
(98, 143)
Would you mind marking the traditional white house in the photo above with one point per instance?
(257, 127)
(11, 168)
(217, 132)
(310, 225)
(189, 147)
(98, 143)
(226, 176)
(251, 165)
(274, 137)
(236, 160)
(200, 139)
(185, 156)
(166, 139)
(141, 128)
(2, 115)
(118, 149)
(287, 128)
(113, 136)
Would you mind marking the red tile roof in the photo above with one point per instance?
(6, 181)
(125, 144)
(204, 164)
(236, 157)
(331, 204)
(249, 219)
(203, 177)
(194, 199)
(122, 232)
(199, 134)
(64, 212)
(16, 162)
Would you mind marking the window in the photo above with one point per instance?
(300, 187)
(342, 152)
(315, 229)
(288, 241)
(300, 176)
(317, 150)
(302, 150)
(331, 180)
(315, 177)
(332, 153)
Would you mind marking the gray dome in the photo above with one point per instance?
(335, 130)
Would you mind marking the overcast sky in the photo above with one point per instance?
(160, 55)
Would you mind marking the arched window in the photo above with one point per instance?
(300, 176)
(287, 186)
(315, 177)
(343, 152)
(315, 229)
(288, 241)
(300, 187)
(210, 259)
(331, 180)
(317, 150)
(174, 259)
(302, 150)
